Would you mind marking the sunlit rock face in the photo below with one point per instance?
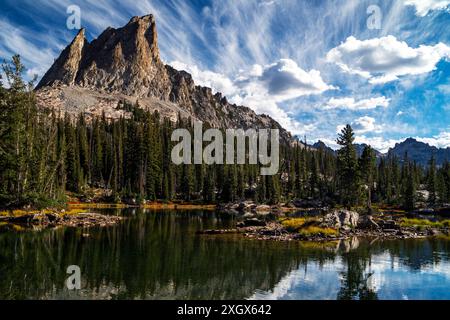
(124, 60)
(125, 64)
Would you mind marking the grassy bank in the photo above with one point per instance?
(424, 223)
(308, 227)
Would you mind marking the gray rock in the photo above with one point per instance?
(248, 215)
(389, 225)
(433, 232)
(262, 209)
(340, 218)
(367, 223)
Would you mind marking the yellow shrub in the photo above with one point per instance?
(294, 224)
(318, 231)
(405, 222)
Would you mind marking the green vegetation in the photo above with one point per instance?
(422, 223)
(307, 227)
(44, 156)
(294, 224)
(318, 231)
(347, 162)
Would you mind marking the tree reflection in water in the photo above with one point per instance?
(355, 281)
(157, 255)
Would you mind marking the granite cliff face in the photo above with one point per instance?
(124, 60)
(124, 64)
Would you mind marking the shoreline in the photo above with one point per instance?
(78, 215)
(260, 222)
(151, 205)
(48, 220)
(274, 232)
(324, 224)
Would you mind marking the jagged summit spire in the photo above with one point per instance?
(124, 60)
(150, 18)
(64, 69)
(81, 34)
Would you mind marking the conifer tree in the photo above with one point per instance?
(366, 172)
(409, 198)
(431, 181)
(187, 182)
(348, 167)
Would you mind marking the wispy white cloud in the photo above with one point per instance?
(218, 40)
(441, 140)
(423, 7)
(14, 40)
(366, 124)
(350, 103)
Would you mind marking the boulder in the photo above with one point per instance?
(262, 209)
(248, 215)
(52, 217)
(368, 223)
(389, 225)
(245, 206)
(433, 232)
(341, 218)
(233, 212)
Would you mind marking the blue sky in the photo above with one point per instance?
(382, 66)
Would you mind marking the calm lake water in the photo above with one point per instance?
(157, 255)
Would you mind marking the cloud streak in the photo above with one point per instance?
(350, 103)
(424, 7)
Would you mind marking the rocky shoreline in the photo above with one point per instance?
(287, 223)
(57, 219)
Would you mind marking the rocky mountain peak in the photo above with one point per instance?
(65, 68)
(124, 64)
(124, 60)
(420, 152)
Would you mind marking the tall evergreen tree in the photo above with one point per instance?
(432, 181)
(409, 198)
(366, 172)
(347, 167)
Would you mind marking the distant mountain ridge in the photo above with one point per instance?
(359, 148)
(417, 151)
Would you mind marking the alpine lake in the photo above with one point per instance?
(157, 254)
